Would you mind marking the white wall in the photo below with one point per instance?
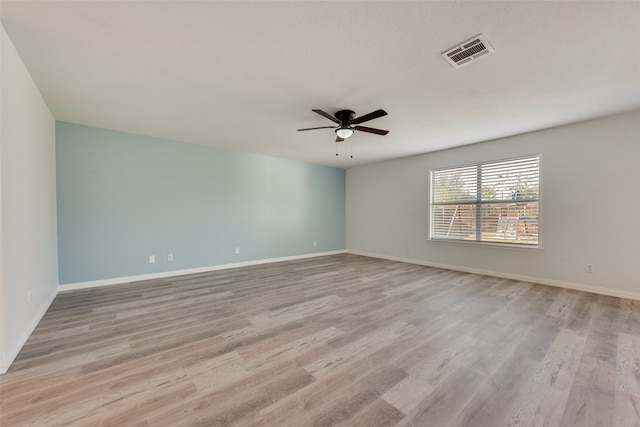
(590, 208)
(28, 205)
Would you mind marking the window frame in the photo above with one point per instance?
(479, 202)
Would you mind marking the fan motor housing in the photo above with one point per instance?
(345, 116)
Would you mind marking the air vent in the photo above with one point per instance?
(468, 51)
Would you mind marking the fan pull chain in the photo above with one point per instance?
(336, 148)
(351, 145)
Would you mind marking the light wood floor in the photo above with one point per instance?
(338, 340)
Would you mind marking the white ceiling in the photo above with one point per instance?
(245, 75)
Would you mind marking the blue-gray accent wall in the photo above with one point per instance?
(122, 197)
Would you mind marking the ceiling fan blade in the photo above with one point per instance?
(371, 130)
(338, 139)
(370, 116)
(327, 115)
(321, 127)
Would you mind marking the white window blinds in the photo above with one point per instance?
(495, 202)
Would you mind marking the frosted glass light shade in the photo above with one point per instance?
(344, 133)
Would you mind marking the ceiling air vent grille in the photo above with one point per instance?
(468, 51)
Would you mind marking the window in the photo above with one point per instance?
(494, 202)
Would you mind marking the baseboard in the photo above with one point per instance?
(13, 353)
(519, 277)
(173, 273)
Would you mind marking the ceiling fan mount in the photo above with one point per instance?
(345, 116)
(347, 123)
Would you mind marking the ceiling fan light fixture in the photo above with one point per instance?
(347, 124)
(344, 133)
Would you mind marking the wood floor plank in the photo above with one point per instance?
(291, 348)
(334, 340)
(377, 414)
(364, 381)
(562, 306)
(543, 400)
(362, 347)
(628, 370)
(444, 404)
(591, 399)
(340, 408)
(279, 316)
(626, 411)
(427, 375)
(491, 403)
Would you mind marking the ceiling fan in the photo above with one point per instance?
(347, 124)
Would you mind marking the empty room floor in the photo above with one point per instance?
(335, 340)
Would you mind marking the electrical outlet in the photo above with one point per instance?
(315, 243)
(237, 250)
(588, 268)
(169, 257)
(152, 259)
